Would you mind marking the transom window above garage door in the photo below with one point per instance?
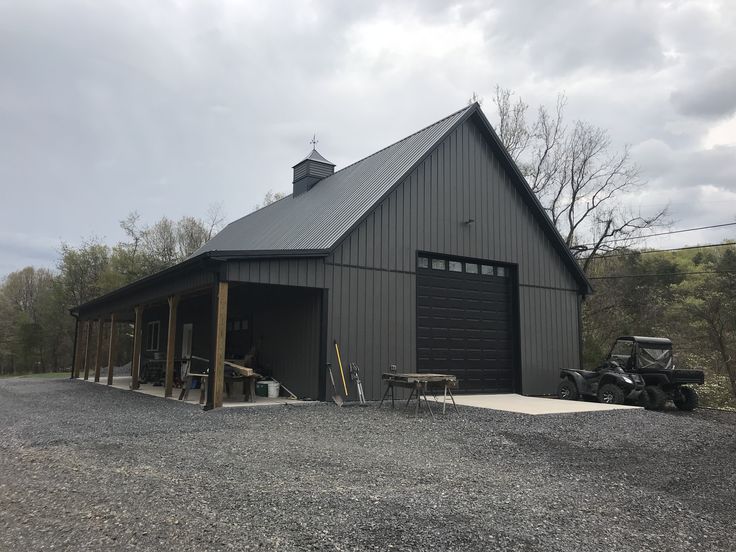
(483, 268)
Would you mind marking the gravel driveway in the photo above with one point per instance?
(84, 467)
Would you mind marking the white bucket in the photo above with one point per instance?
(273, 388)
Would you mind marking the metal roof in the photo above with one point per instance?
(317, 219)
(314, 155)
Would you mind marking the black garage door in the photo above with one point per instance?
(464, 323)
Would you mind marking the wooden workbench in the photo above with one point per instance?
(419, 385)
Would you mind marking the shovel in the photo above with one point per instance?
(336, 396)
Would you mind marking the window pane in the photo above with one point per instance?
(456, 266)
(153, 330)
(500, 271)
(472, 268)
(423, 262)
(438, 264)
(486, 270)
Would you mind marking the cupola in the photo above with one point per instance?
(311, 170)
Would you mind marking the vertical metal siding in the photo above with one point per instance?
(372, 295)
(291, 316)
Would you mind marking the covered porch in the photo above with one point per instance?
(205, 342)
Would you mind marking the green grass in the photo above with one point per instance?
(716, 393)
(42, 375)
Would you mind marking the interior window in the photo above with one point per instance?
(456, 266)
(438, 264)
(471, 268)
(153, 335)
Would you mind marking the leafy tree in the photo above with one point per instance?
(36, 331)
(707, 304)
(80, 270)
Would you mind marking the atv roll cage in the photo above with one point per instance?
(643, 353)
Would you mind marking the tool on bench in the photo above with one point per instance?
(355, 376)
(335, 396)
(342, 373)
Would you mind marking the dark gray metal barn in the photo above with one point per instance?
(431, 254)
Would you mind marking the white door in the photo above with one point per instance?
(186, 348)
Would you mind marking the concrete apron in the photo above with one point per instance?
(532, 405)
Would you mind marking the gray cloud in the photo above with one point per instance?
(560, 37)
(166, 107)
(711, 97)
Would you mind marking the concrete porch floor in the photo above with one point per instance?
(532, 405)
(123, 383)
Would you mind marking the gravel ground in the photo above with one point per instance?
(84, 467)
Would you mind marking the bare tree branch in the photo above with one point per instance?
(576, 173)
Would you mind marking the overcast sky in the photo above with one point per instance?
(165, 107)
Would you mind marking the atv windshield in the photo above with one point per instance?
(654, 358)
(622, 351)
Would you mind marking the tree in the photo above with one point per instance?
(707, 303)
(213, 221)
(26, 295)
(80, 270)
(191, 234)
(36, 331)
(149, 249)
(269, 198)
(577, 175)
(24, 288)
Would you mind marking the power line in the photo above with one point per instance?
(666, 233)
(645, 251)
(621, 276)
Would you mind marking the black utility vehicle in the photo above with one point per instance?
(609, 383)
(651, 358)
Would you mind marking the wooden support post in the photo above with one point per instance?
(88, 326)
(170, 345)
(217, 371)
(137, 331)
(76, 360)
(111, 351)
(98, 352)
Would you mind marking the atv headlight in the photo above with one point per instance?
(627, 379)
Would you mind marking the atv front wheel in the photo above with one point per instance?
(656, 397)
(610, 393)
(567, 390)
(686, 398)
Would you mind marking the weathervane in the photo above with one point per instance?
(314, 141)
